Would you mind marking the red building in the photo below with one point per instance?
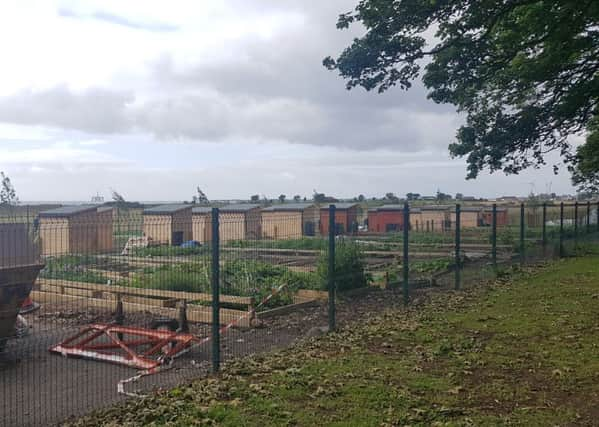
(386, 219)
(501, 216)
(372, 219)
(346, 218)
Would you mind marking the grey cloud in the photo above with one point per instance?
(272, 90)
(93, 110)
(288, 70)
(111, 18)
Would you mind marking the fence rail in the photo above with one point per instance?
(183, 290)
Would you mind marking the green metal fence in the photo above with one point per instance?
(236, 281)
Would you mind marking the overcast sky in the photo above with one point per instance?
(153, 98)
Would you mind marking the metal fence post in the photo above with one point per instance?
(561, 229)
(215, 292)
(522, 234)
(406, 261)
(457, 247)
(588, 217)
(494, 237)
(575, 224)
(544, 228)
(331, 270)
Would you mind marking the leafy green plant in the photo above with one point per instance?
(239, 277)
(187, 277)
(74, 268)
(350, 271)
(430, 266)
(506, 236)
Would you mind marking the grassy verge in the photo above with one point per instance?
(522, 351)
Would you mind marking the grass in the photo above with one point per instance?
(521, 351)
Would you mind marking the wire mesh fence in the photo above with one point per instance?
(99, 303)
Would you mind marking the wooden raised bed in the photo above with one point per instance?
(194, 313)
(158, 293)
(86, 295)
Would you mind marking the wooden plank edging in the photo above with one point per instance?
(194, 313)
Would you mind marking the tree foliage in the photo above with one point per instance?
(8, 195)
(200, 197)
(391, 198)
(585, 171)
(323, 198)
(524, 72)
(117, 197)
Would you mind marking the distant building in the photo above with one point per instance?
(201, 219)
(69, 230)
(470, 216)
(346, 218)
(502, 216)
(386, 219)
(239, 221)
(105, 229)
(289, 220)
(508, 199)
(433, 218)
(168, 224)
(97, 199)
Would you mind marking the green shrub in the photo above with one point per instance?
(186, 277)
(506, 236)
(350, 271)
(259, 279)
(238, 277)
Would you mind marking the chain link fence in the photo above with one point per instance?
(98, 304)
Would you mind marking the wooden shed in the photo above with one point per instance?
(372, 217)
(105, 229)
(502, 216)
(432, 218)
(289, 221)
(168, 224)
(386, 219)
(470, 216)
(241, 221)
(69, 230)
(415, 218)
(346, 218)
(201, 219)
